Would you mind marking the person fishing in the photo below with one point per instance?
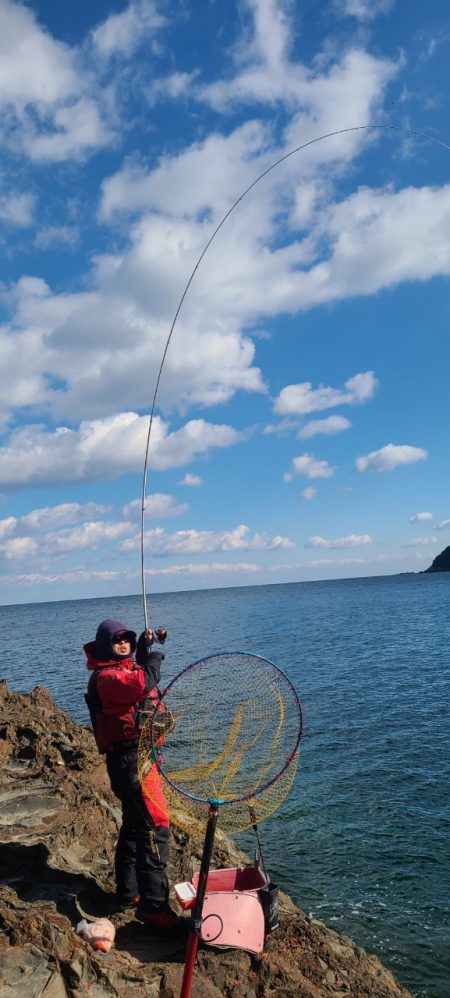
(122, 690)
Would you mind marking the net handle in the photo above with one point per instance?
(196, 929)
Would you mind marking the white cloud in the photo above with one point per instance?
(383, 237)
(57, 235)
(363, 10)
(308, 493)
(19, 547)
(106, 343)
(389, 457)
(420, 517)
(88, 535)
(161, 544)
(17, 209)
(33, 66)
(443, 524)
(48, 112)
(191, 481)
(202, 177)
(157, 505)
(205, 568)
(77, 130)
(66, 578)
(345, 90)
(51, 517)
(312, 467)
(120, 34)
(87, 576)
(350, 541)
(7, 526)
(104, 448)
(329, 426)
(169, 87)
(301, 399)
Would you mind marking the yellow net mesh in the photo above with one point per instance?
(237, 725)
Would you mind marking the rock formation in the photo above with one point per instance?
(58, 826)
(441, 563)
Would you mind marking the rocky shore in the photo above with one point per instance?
(58, 826)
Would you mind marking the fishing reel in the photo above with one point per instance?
(159, 635)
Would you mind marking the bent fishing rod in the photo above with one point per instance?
(269, 169)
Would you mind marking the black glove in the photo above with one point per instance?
(150, 661)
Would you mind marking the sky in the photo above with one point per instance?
(301, 421)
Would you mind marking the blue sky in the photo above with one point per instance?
(301, 430)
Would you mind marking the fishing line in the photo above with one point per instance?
(282, 159)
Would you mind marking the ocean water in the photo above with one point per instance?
(362, 841)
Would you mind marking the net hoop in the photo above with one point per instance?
(253, 792)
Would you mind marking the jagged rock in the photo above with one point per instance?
(441, 562)
(58, 827)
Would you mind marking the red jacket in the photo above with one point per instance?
(115, 691)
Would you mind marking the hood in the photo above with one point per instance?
(102, 646)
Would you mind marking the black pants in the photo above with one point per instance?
(142, 850)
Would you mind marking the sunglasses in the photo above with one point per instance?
(118, 638)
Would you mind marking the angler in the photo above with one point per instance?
(122, 691)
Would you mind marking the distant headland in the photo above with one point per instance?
(441, 563)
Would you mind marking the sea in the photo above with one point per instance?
(362, 840)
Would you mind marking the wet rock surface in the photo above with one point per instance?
(58, 827)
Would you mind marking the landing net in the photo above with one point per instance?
(235, 741)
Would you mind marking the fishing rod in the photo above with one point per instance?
(269, 169)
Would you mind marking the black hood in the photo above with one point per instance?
(103, 639)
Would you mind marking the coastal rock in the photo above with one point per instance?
(441, 562)
(58, 827)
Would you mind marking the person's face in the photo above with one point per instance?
(121, 645)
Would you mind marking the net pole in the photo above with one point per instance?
(195, 932)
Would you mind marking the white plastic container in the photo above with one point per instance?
(185, 894)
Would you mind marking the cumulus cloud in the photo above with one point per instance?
(104, 449)
(169, 87)
(47, 111)
(191, 481)
(17, 209)
(312, 467)
(50, 532)
(157, 505)
(51, 517)
(363, 10)
(350, 541)
(301, 399)
(308, 493)
(120, 34)
(202, 177)
(88, 535)
(420, 517)
(265, 73)
(7, 526)
(160, 543)
(389, 457)
(329, 426)
(18, 547)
